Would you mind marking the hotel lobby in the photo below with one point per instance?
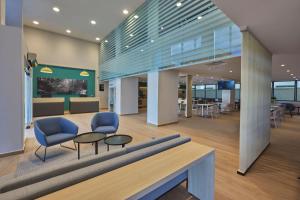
(149, 99)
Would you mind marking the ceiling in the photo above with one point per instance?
(229, 69)
(276, 24)
(77, 14)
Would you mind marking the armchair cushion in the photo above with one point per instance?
(49, 126)
(59, 138)
(106, 129)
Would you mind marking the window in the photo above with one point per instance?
(298, 90)
(200, 91)
(188, 45)
(175, 49)
(284, 90)
(211, 91)
(237, 92)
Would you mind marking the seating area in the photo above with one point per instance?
(149, 100)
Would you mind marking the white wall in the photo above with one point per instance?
(255, 100)
(162, 97)
(60, 50)
(11, 90)
(126, 95)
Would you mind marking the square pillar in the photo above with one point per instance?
(162, 97)
(188, 97)
(126, 100)
(256, 74)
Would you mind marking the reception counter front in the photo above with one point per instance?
(48, 106)
(84, 104)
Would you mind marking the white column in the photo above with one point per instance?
(127, 96)
(256, 73)
(162, 97)
(188, 97)
(11, 87)
(228, 97)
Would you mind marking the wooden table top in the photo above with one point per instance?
(137, 177)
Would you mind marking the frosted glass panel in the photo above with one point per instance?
(166, 36)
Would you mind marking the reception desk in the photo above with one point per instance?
(84, 105)
(48, 106)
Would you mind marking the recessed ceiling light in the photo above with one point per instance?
(162, 28)
(36, 22)
(282, 65)
(151, 41)
(68, 31)
(93, 22)
(125, 12)
(142, 50)
(295, 77)
(230, 71)
(127, 46)
(98, 39)
(106, 41)
(292, 74)
(199, 17)
(178, 4)
(136, 16)
(56, 9)
(288, 70)
(131, 35)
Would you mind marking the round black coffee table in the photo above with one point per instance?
(89, 137)
(117, 140)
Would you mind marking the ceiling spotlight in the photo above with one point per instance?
(36, 22)
(68, 31)
(282, 65)
(142, 50)
(125, 12)
(127, 46)
(151, 41)
(294, 77)
(162, 28)
(131, 35)
(136, 16)
(288, 70)
(292, 74)
(199, 17)
(98, 39)
(178, 4)
(230, 71)
(56, 9)
(93, 22)
(106, 41)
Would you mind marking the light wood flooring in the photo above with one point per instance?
(274, 176)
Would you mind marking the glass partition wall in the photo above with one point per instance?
(211, 92)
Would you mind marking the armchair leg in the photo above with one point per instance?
(39, 157)
(75, 148)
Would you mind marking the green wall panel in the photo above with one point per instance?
(64, 73)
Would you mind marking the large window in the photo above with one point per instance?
(298, 90)
(237, 92)
(284, 90)
(211, 91)
(200, 91)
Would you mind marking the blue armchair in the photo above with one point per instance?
(105, 122)
(53, 131)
